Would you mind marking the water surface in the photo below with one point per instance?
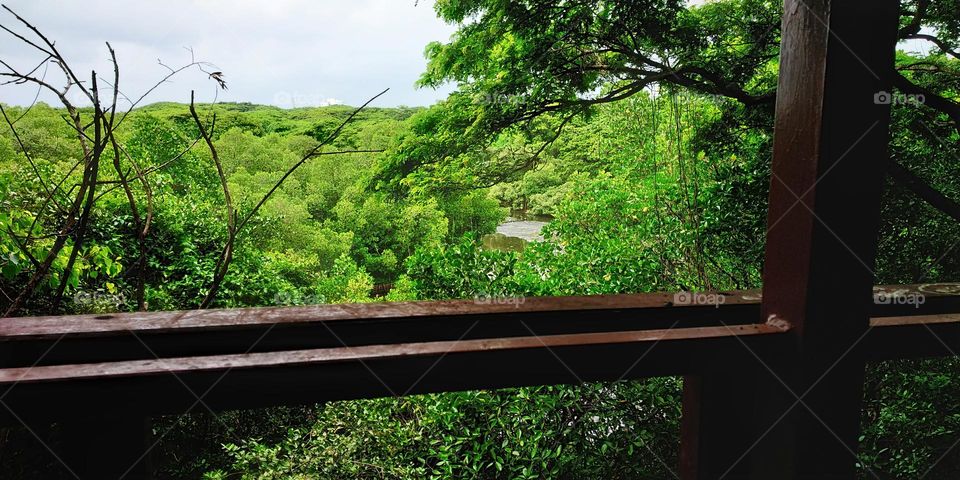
(514, 234)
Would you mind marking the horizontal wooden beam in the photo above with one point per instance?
(217, 319)
(160, 386)
(235, 362)
(56, 340)
(99, 338)
(222, 382)
(891, 338)
(94, 325)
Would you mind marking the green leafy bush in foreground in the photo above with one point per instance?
(593, 431)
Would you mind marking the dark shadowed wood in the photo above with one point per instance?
(891, 338)
(28, 341)
(829, 160)
(107, 447)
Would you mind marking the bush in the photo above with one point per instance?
(623, 430)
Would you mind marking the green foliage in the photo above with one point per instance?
(473, 211)
(462, 270)
(589, 431)
(525, 70)
(293, 247)
(387, 231)
(363, 439)
(911, 418)
(194, 443)
(93, 275)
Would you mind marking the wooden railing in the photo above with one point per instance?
(119, 367)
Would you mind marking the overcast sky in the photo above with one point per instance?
(277, 52)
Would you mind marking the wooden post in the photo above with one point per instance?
(108, 447)
(801, 416)
(715, 441)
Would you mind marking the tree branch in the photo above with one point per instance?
(936, 41)
(922, 189)
(223, 262)
(931, 99)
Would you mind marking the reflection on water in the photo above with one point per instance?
(499, 241)
(514, 234)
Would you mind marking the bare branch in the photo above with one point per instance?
(931, 98)
(939, 43)
(23, 247)
(306, 157)
(35, 96)
(101, 128)
(922, 189)
(234, 227)
(141, 233)
(53, 52)
(223, 263)
(33, 165)
(94, 137)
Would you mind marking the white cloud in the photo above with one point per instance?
(317, 51)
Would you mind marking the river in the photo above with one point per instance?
(513, 234)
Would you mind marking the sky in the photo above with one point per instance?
(288, 53)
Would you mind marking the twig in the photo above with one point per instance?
(234, 227)
(223, 262)
(306, 157)
(26, 153)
